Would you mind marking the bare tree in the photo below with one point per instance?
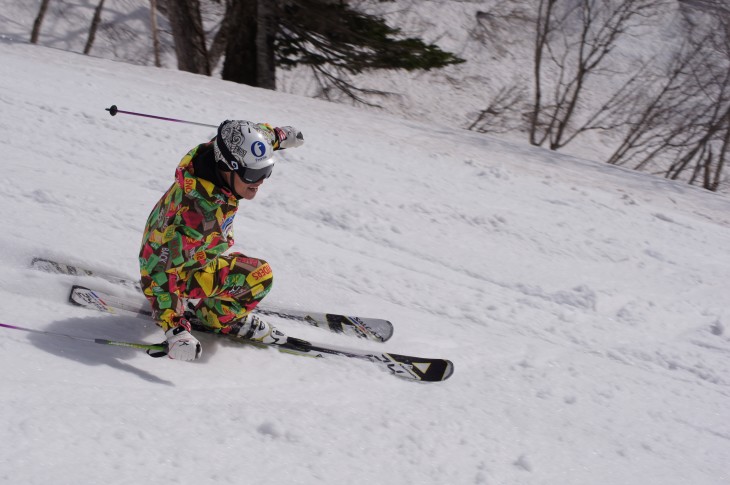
(94, 26)
(545, 25)
(573, 42)
(680, 123)
(705, 158)
(659, 113)
(494, 118)
(38, 22)
(715, 177)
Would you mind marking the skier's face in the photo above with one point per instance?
(244, 189)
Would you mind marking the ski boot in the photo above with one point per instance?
(255, 329)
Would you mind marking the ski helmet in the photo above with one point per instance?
(245, 148)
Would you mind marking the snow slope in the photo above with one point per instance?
(585, 307)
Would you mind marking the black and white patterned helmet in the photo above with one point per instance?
(246, 148)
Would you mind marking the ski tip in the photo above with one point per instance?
(74, 296)
(424, 370)
(438, 371)
(38, 260)
(387, 331)
(448, 371)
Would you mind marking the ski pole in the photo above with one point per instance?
(158, 349)
(113, 110)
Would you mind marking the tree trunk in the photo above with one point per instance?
(716, 177)
(38, 21)
(265, 33)
(155, 33)
(250, 44)
(189, 36)
(94, 26)
(240, 62)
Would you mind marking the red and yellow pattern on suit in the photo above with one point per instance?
(182, 255)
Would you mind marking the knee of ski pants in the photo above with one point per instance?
(242, 282)
(249, 278)
(232, 277)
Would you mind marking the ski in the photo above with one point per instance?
(376, 329)
(422, 369)
(51, 266)
(415, 368)
(104, 302)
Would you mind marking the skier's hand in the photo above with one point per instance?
(181, 344)
(288, 137)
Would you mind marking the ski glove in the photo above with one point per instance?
(181, 345)
(288, 137)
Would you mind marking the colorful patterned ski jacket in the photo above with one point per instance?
(188, 228)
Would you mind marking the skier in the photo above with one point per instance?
(186, 273)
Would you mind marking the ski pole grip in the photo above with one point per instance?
(157, 351)
(113, 110)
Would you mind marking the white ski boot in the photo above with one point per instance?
(255, 329)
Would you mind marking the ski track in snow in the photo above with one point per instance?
(584, 306)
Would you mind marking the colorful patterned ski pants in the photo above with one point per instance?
(226, 289)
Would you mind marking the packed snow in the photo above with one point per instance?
(585, 307)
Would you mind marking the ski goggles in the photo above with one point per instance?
(253, 175)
